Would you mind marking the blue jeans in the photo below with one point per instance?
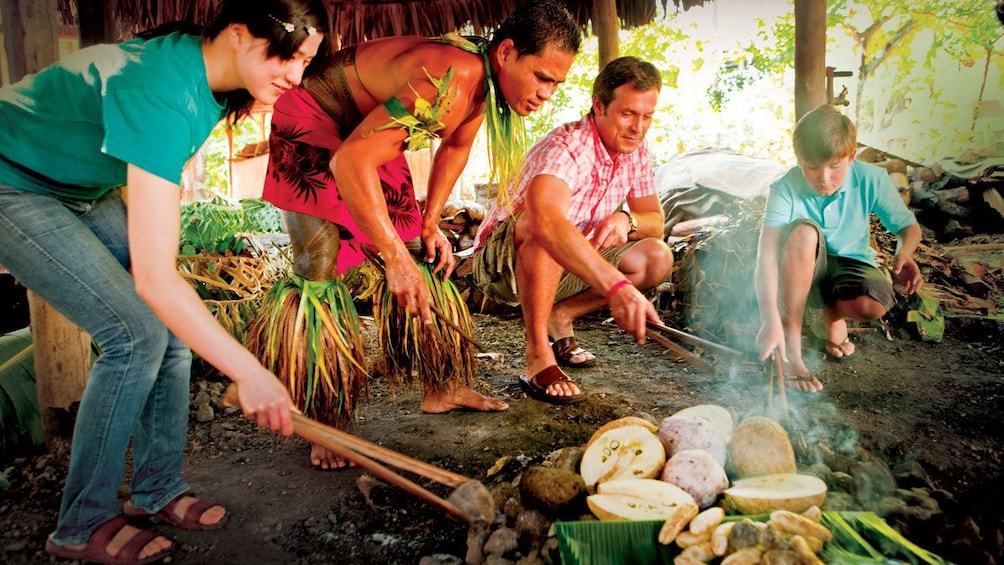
(75, 256)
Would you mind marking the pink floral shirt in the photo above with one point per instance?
(599, 183)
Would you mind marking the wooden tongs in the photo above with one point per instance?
(469, 502)
(687, 355)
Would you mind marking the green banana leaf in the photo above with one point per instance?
(859, 538)
(20, 423)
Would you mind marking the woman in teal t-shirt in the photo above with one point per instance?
(132, 114)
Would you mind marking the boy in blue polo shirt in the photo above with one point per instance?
(814, 245)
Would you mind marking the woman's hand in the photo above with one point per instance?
(266, 401)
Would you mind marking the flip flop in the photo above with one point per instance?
(190, 521)
(96, 549)
(536, 386)
(795, 379)
(829, 345)
(566, 348)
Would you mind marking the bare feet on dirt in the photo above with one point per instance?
(460, 398)
(323, 458)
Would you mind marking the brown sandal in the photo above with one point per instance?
(190, 521)
(566, 348)
(96, 549)
(536, 386)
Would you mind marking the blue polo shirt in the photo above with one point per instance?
(844, 215)
(70, 130)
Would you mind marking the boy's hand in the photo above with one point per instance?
(770, 338)
(906, 272)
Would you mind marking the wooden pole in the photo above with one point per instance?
(62, 351)
(606, 27)
(62, 363)
(810, 55)
(31, 35)
(97, 23)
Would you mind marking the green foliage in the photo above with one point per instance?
(216, 226)
(20, 424)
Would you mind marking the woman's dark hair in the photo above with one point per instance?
(537, 23)
(285, 24)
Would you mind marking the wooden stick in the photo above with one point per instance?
(686, 355)
(694, 340)
(446, 319)
(318, 435)
(781, 386)
(367, 448)
(381, 453)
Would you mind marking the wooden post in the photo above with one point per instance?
(62, 351)
(97, 23)
(31, 35)
(62, 363)
(606, 27)
(810, 55)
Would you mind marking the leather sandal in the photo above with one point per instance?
(566, 348)
(96, 548)
(191, 519)
(536, 386)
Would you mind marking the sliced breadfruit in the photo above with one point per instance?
(682, 433)
(639, 499)
(627, 452)
(620, 423)
(719, 418)
(783, 491)
(760, 446)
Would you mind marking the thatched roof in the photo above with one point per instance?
(356, 20)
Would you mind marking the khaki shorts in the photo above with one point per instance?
(843, 278)
(494, 268)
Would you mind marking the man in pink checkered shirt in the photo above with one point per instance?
(567, 244)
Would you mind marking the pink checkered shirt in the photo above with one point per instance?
(599, 183)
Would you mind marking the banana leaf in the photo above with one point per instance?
(859, 538)
(20, 423)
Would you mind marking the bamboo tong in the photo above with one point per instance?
(653, 333)
(469, 502)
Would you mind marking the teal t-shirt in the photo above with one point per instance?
(843, 216)
(71, 129)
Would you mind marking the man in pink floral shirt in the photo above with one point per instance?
(566, 245)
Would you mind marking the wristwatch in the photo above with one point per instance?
(633, 221)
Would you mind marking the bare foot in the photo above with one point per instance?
(460, 397)
(322, 458)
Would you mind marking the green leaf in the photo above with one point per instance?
(925, 311)
(20, 424)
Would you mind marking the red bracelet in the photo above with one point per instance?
(617, 286)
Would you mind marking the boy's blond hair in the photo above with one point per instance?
(824, 134)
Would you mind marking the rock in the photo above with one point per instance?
(512, 508)
(441, 559)
(532, 527)
(568, 458)
(477, 535)
(840, 501)
(496, 559)
(890, 506)
(553, 491)
(872, 481)
(502, 540)
(204, 413)
(503, 492)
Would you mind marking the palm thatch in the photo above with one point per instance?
(358, 20)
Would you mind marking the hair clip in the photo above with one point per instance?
(289, 27)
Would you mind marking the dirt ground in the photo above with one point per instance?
(904, 401)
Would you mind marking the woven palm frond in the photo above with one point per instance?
(308, 334)
(435, 353)
(232, 287)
